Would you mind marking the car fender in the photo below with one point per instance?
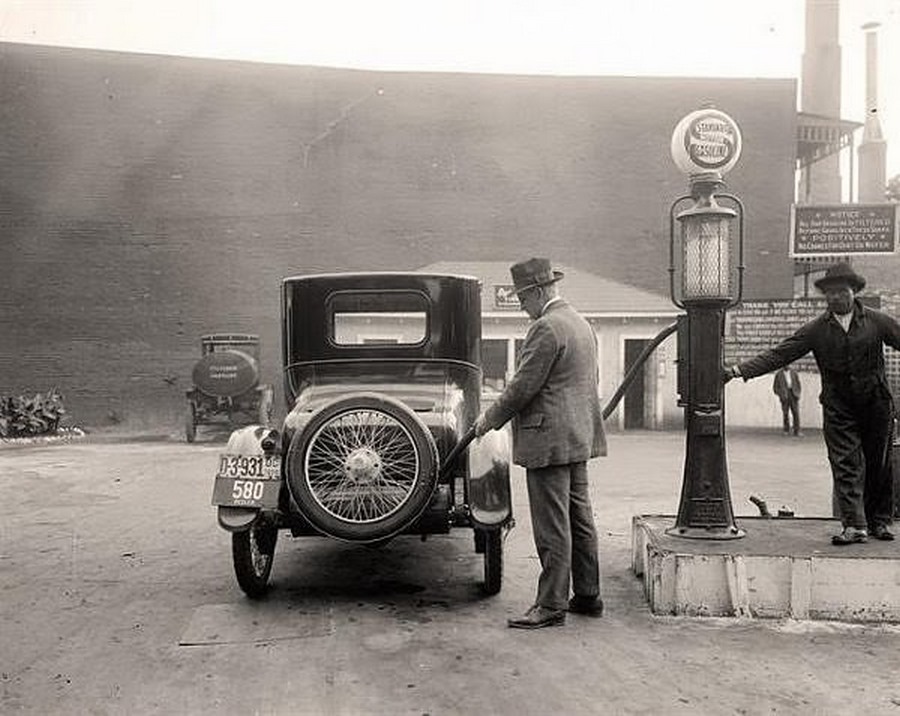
(253, 440)
(490, 497)
(237, 519)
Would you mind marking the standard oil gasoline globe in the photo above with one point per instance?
(707, 141)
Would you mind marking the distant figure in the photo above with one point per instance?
(787, 387)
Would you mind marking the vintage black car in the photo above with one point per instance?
(226, 384)
(383, 383)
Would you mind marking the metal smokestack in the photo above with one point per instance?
(873, 148)
(821, 94)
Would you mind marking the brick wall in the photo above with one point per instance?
(145, 200)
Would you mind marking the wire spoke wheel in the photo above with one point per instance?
(365, 469)
(362, 466)
(253, 552)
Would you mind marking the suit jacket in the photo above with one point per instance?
(553, 398)
(782, 387)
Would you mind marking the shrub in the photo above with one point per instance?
(39, 414)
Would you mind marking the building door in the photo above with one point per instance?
(636, 394)
(493, 361)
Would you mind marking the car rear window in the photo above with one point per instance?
(374, 318)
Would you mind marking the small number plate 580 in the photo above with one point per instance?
(248, 481)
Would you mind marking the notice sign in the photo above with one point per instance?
(843, 229)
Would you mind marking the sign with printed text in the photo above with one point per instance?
(843, 229)
(248, 481)
(505, 296)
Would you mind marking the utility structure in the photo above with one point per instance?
(873, 148)
(705, 145)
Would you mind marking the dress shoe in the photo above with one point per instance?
(589, 606)
(850, 535)
(883, 533)
(538, 617)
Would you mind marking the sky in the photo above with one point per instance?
(702, 38)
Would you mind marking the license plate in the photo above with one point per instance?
(248, 481)
(260, 467)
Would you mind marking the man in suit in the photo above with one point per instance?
(847, 341)
(787, 387)
(554, 404)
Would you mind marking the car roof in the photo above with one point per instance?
(350, 275)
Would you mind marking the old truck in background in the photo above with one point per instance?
(226, 384)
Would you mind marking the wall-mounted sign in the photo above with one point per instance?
(843, 229)
(505, 296)
(706, 140)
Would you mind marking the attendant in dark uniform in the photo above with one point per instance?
(787, 387)
(848, 341)
(554, 403)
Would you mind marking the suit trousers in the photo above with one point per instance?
(790, 408)
(564, 533)
(858, 438)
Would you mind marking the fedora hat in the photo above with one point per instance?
(841, 273)
(533, 272)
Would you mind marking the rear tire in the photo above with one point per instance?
(190, 423)
(492, 541)
(253, 552)
(363, 469)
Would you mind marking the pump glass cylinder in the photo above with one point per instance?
(706, 269)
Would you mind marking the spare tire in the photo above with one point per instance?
(363, 468)
(225, 374)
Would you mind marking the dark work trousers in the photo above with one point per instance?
(564, 533)
(790, 408)
(858, 436)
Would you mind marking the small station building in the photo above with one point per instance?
(624, 318)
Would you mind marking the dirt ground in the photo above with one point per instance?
(117, 596)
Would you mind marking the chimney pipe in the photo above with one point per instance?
(872, 129)
(872, 150)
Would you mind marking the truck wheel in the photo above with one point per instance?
(363, 469)
(492, 541)
(253, 552)
(190, 423)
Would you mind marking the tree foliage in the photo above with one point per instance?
(30, 415)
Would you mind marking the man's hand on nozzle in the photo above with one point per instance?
(481, 426)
